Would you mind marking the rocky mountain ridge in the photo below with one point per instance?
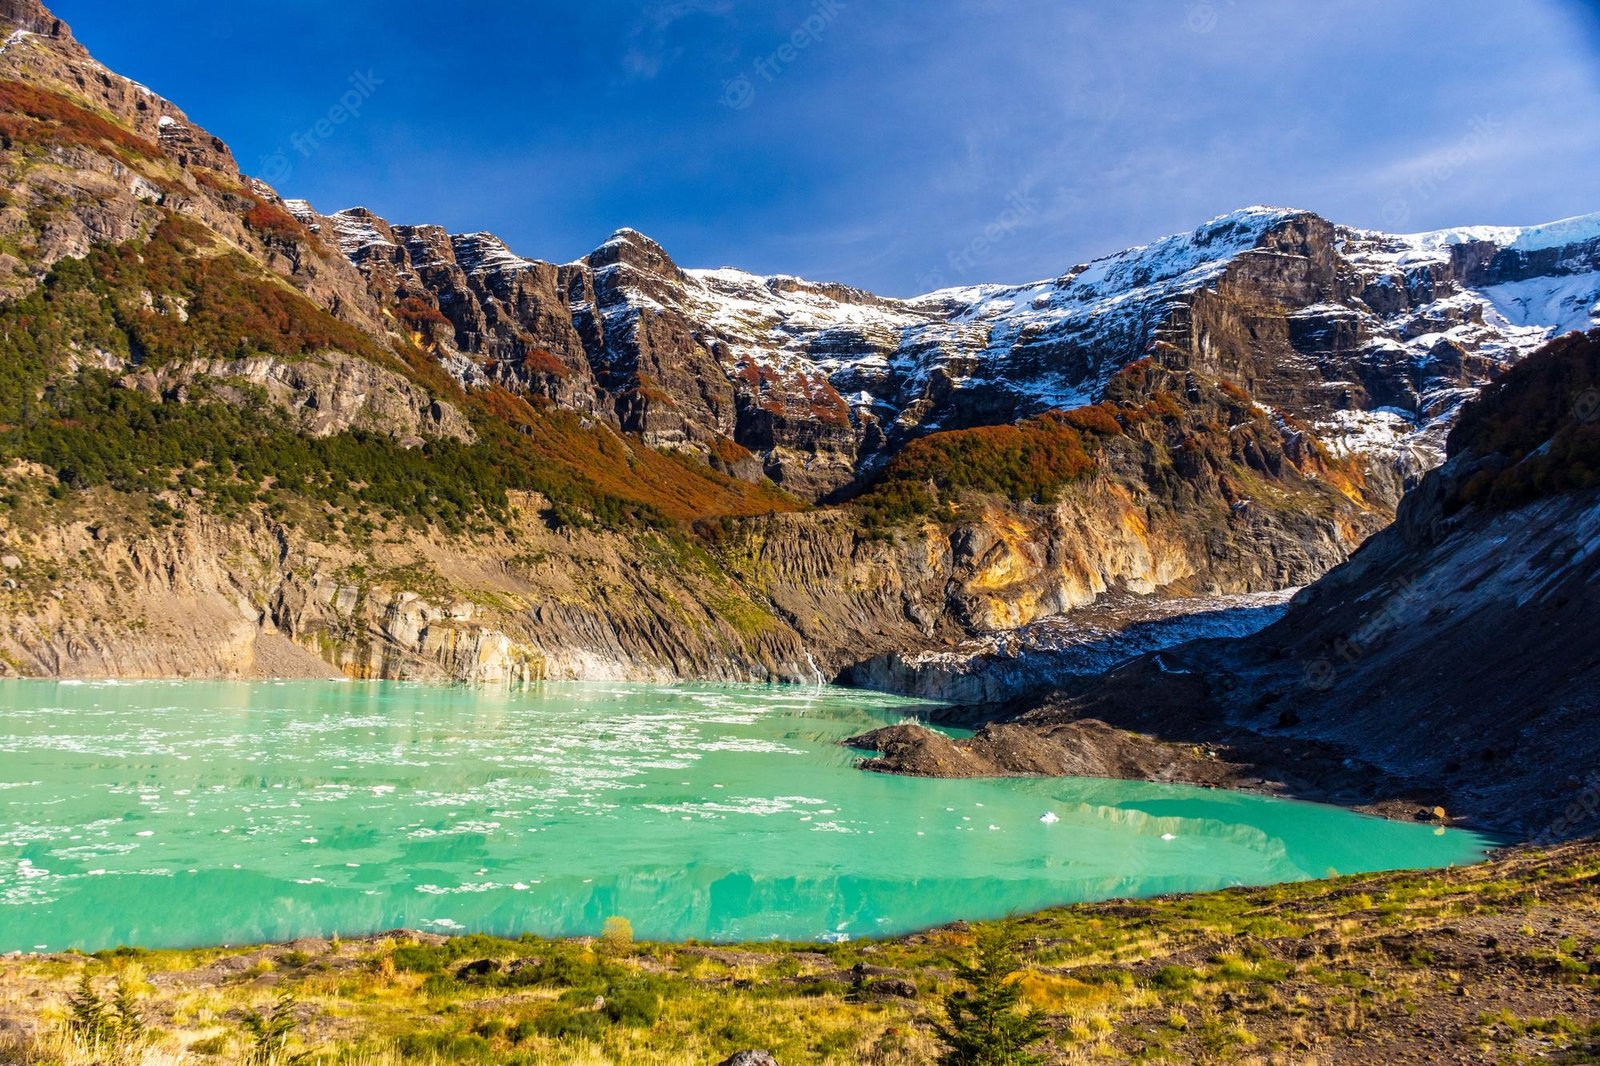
(1373, 339)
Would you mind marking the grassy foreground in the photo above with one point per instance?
(1494, 963)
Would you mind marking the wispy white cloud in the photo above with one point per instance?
(650, 48)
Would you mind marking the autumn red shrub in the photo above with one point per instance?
(33, 116)
(272, 222)
(612, 476)
(730, 451)
(1101, 419)
(420, 316)
(1235, 393)
(542, 361)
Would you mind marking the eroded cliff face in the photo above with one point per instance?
(328, 393)
(792, 597)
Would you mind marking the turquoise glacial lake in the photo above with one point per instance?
(188, 814)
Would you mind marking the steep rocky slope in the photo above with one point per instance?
(1447, 662)
(239, 437)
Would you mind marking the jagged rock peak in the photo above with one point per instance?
(358, 229)
(633, 238)
(30, 16)
(629, 246)
(484, 252)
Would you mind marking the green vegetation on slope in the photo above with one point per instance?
(180, 296)
(1500, 960)
(176, 296)
(242, 453)
(1543, 417)
(1030, 462)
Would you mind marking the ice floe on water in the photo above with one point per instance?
(756, 806)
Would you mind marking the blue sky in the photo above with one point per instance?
(898, 145)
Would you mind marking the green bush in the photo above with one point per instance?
(567, 1023)
(634, 1001)
(450, 1047)
(563, 971)
(1174, 978)
(983, 1025)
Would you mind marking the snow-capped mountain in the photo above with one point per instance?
(520, 539)
(1373, 339)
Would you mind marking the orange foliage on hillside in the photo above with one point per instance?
(1101, 419)
(543, 361)
(730, 451)
(420, 316)
(618, 477)
(273, 222)
(232, 308)
(32, 116)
